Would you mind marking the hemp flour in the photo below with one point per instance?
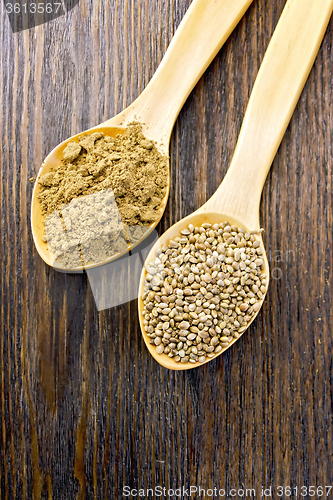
(88, 229)
(103, 185)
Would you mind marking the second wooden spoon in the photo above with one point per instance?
(282, 75)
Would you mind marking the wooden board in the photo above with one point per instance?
(84, 409)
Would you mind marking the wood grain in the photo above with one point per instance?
(84, 409)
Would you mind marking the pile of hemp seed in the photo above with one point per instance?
(202, 290)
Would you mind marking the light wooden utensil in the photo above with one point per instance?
(282, 75)
(202, 32)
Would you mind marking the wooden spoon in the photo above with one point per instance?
(284, 70)
(205, 27)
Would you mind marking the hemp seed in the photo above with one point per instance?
(202, 290)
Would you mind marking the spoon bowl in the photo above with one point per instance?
(51, 162)
(202, 32)
(280, 80)
(197, 219)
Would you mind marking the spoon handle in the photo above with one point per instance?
(282, 75)
(205, 27)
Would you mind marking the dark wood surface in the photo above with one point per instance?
(84, 409)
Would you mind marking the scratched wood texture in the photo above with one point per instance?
(84, 409)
